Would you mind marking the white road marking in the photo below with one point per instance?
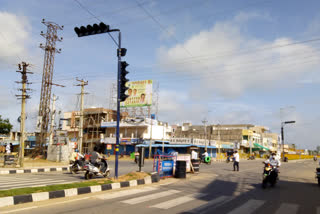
(25, 184)
(287, 208)
(177, 201)
(171, 182)
(150, 197)
(249, 207)
(23, 181)
(124, 193)
(215, 202)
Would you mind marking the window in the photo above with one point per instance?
(69, 122)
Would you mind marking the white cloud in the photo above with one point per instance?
(229, 62)
(14, 37)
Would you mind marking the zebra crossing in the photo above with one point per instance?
(13, 182)
(175, 201)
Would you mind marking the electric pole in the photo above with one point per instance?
(46, 85)
(23, 98)
(204, 121)
(219, 142)
(82, 84)
(150, 143)
(53, 115)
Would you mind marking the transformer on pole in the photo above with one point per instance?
(46, 85)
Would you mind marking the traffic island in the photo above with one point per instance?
(34, 194)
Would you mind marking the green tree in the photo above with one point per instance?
(5, 126)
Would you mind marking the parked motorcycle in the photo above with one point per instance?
(318, 175)
(270, 175)
(252, 157)
(76, 166)
(93, 170)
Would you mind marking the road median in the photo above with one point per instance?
(33, 194)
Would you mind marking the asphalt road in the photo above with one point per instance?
(49, 178)
(217, 189)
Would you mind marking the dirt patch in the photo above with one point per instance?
(131, 176)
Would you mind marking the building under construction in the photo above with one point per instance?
(93, 117)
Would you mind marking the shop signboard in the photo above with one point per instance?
(109, 147)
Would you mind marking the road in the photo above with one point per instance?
(49, 178)
(217, 189)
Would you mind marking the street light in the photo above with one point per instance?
(282, 135)
(99, 29)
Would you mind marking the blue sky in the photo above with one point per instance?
(230, 61)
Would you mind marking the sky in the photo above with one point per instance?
(244, 61)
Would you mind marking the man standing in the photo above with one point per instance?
(236, 161)
(194, 155)
(8, 150)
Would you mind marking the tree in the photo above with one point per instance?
(5, 126)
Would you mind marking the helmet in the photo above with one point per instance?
(76, 150)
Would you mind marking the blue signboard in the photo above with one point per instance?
(167, 166)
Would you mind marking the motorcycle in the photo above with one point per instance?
(315, 158)
(229, 159)
(318, 175)
(76, 166)
(270, 175)
(93, 170)
(252, 157)
(206, 160)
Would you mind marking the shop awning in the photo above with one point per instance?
(164, 145)
(174, 146)
(256, 145)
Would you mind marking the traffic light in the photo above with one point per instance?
(92, 30)
(123, 81)
(121, 52)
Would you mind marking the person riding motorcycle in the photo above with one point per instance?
(204, 155)
(95, 159)
(274, 161)
(76, 156)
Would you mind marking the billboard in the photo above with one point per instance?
(140, 94)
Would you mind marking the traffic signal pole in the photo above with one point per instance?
(121, 79)
(118, 109)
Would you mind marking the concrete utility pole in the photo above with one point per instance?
(150, 143)
(53, 115)
(23, 98)
(163, 139)
(204, 121)
(219, 143)
(82, 84)
(250, 144)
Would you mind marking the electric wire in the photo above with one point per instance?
(229, 65)
(88, 11)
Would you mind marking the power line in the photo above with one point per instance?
(239, 53)
(254, 62)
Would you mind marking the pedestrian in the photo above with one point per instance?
(194, 155)
(8, 151)
(236, 160)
